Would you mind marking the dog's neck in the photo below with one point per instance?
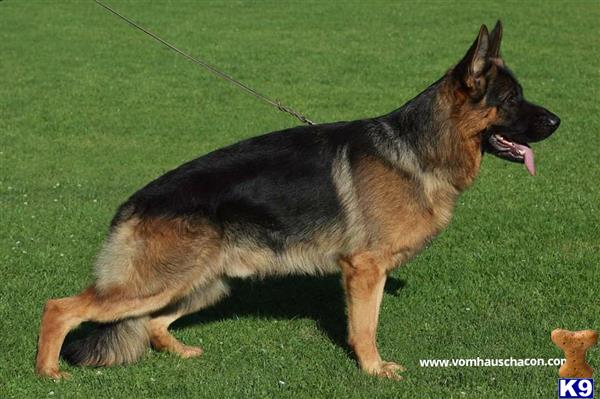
(427, 136)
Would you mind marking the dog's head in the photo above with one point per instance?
(486, 87)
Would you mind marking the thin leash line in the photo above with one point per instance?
(275, 103)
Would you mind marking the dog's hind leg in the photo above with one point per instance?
(200, 298)
(145, 266)
(62, 315)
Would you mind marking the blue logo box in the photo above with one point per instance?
(575, 388)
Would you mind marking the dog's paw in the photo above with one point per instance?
(388, 370)
(54, 374)
(186, 352)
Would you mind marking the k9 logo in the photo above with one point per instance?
(575, 388)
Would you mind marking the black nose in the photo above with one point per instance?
(553, 121)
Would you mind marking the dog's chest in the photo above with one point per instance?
(402, 212)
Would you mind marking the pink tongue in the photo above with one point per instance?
(528, 158)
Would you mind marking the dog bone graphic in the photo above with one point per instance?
(575, 344)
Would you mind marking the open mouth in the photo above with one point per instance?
(513, 151)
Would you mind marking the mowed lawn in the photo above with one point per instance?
(91, 110)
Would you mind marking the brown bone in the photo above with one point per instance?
(574, 344)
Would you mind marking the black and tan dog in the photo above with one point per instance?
(358, 198)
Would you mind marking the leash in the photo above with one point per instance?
(275, 103)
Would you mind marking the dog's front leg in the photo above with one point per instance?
(364, 277)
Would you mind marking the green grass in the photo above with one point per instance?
(91, 110)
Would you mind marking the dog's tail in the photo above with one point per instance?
(121, 342)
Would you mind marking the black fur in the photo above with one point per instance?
(122, 342)
(279, 183)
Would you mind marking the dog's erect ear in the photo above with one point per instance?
(495, 40)
(470, 70)
(478, 53)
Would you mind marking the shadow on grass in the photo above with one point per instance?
(318, 298)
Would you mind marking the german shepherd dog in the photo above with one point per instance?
(358, 197)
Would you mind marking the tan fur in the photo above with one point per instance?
(498, 62)
(364, 276)
(403, 213)
(315, 256)
(198, 299)
(154, 262)
(459, 153)
(140, 254)
(353, 219)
